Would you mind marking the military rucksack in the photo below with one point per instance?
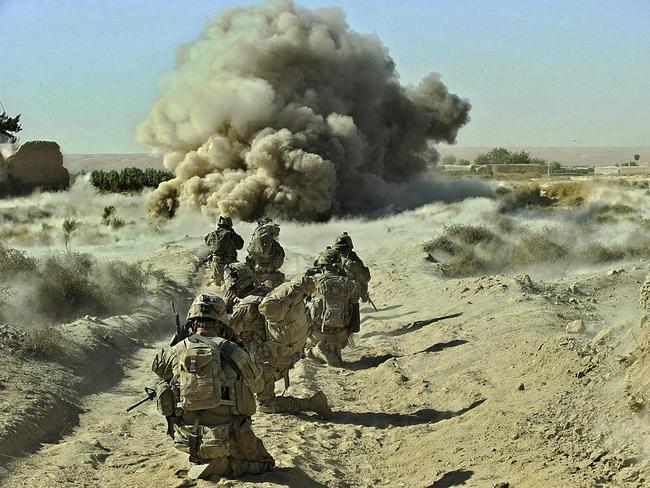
(221, 243)
(331, 307)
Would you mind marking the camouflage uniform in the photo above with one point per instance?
(352, 264)
(265, 254)
(216, 434)
(224, 243)
(333, 307)
(251, 326)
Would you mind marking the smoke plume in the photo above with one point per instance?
(282, 111)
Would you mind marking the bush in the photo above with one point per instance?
(467, 263)
(599, 253)
(470, 234)
(524, 196)
(14, 262)
(536, 249)
(442, 243)
(570, 193)
(42, 342)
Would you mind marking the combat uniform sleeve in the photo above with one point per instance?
(250, 372)
(163, 363)
(241, 318)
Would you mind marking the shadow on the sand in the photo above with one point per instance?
(385, 309)
(441, 346)
(412, 327)
(368, 362)
(453, 478)
(383, 420)
(292, 476)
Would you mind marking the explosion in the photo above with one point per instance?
(281, 111)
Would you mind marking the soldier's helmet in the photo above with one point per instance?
(344, 241)
(238, 276)
(328, 258)
(224, 221)
(208, 307)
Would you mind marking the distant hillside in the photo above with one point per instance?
(77, 162)
(576, 156)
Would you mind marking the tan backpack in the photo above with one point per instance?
(331, 304)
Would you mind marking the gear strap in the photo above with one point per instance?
(195, 440)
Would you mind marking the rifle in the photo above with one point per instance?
(372, 303)
(203, 261)
(151, 394)
(179, 335)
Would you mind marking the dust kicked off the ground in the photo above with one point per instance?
(452, 382)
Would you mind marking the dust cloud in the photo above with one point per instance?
(282, 111)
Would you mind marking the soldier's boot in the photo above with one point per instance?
(323, 354)
(288, 404)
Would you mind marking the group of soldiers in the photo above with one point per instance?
(236, 346)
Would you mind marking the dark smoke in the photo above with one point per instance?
(283, 111)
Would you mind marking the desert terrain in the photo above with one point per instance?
(465, 376)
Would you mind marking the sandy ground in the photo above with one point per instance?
(470, 382)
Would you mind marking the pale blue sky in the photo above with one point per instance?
(538, 73)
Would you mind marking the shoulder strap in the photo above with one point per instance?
(223, 346)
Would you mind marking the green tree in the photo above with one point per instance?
(68, 226)
(9, 126)
(636, 157)
(521, 157)
(499, 155)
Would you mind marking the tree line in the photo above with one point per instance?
(128, 179)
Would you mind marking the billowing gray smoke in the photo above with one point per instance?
(281, 111)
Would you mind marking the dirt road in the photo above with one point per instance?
(467, 382)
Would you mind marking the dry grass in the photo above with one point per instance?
(569, 193)
(42, 342)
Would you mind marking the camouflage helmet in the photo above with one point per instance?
(208, 307)
(238, 275)
(328, 257)
(344, 241)
(224, 221)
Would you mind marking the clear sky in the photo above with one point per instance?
(538, 73)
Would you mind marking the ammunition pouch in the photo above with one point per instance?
(165, 399)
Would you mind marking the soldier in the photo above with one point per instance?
(276, 357)
(224, 243)
(265, 253)
(334, 308)
(208, 389)
(352, 264)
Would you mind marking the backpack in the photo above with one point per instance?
(332, 296)
(260, 246)
(221, 243)
(201, 377)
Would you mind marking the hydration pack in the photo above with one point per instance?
(202, 381)
(332, 302)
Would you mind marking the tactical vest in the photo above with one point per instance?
(330, 306)
(207, 379)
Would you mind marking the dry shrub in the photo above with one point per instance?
(524, 196)
(569, 193)
(14, 262)
(467, 263)
(537, 248)
(444, 244)
(599, 253)
(470, 234)
(42, 342)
